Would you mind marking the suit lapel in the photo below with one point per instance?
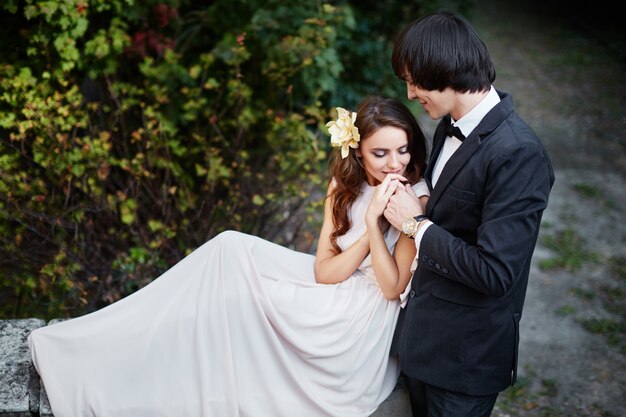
(439, 138)
(470, 145)
(452, 167)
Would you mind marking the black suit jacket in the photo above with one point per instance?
(460, 327)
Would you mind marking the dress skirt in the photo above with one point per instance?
(237, 328)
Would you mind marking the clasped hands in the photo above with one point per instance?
(395, 199)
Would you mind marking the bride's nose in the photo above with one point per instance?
(394, 161)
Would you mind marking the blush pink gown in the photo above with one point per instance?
(237, 328)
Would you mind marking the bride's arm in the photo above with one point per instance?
(332, 267)
(392, 272)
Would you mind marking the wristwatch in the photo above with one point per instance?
(409, 226)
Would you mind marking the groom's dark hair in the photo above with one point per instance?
(442, 50)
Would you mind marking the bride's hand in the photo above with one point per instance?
(381, 197)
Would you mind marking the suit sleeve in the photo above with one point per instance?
(516, 190)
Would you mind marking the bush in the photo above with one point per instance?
(132, 132)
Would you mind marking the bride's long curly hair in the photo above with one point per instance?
(349, 174)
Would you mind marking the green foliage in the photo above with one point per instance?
(617, 265)
(592, 192)
(565, 310)
(583, 294)
(569, 249)
(131, 132)
(612, 294)
(613, 330)
(532, 396)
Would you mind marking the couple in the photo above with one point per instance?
(432, 286)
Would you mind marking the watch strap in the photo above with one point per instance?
(419, 219)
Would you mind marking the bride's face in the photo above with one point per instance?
(384, 152)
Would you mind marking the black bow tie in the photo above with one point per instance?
(454, 131)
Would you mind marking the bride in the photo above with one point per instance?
(245, 327)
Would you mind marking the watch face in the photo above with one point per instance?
(409, 226)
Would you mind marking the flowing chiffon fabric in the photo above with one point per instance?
(237, 328)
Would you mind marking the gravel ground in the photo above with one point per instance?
(569, 85)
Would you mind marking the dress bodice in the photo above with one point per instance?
(358, 228)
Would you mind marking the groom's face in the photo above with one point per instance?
(436, 103)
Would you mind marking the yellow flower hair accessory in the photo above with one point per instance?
(343, 132)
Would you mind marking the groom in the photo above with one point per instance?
(490, 178)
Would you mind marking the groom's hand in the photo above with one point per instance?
(402, 205)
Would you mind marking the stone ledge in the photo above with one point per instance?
(20, 394)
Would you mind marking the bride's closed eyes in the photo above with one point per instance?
(381, 153)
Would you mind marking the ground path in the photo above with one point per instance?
(570, 86)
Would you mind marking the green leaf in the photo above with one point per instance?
(257, 200)
(127, 211)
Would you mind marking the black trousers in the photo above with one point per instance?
(429, 401)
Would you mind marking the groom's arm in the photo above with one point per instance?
(514, 198)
